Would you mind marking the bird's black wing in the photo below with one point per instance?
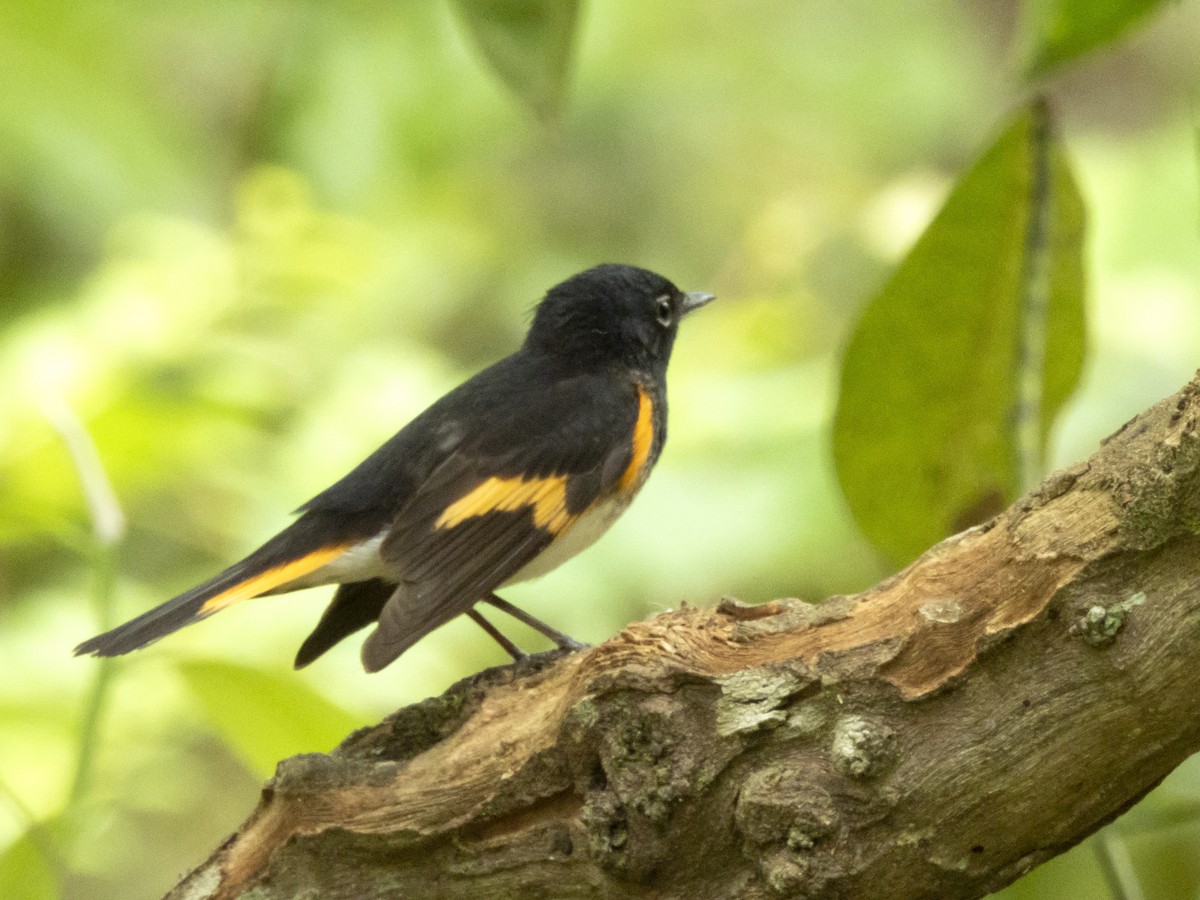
(506, 494)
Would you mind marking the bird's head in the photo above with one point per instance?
(612, 314)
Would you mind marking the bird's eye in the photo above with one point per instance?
(664, 311)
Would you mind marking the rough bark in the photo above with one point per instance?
(1014, 689)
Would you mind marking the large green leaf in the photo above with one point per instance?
(528, 44)
(265, 716)
(1060, 30)
(956, 369)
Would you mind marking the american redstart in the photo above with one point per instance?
(507, 476)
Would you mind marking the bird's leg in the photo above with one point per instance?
(513, 650)
(562, 641)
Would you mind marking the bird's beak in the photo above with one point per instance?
(693, 300)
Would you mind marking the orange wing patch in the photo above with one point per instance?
(547, 497)
(643, 440)
(271, 578)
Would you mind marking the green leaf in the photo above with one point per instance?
(26, 871)
(1061, 30)
(956, 370)
(266, 717)
(527, 43)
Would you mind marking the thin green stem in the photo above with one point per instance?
(1117, 866)
(108, 527)
(104, 593)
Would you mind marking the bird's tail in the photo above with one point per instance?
(270, 569)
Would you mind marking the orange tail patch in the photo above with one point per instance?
(271, 578)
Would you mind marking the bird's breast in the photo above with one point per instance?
(646, 440)
(584, 532)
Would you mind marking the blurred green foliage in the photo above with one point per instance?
(247, 242)
(26, 869)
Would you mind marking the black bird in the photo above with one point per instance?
(510, 474)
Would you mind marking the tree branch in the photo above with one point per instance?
(1014, 689)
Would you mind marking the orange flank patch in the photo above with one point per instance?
(271, 578)
(547, 497)
(643, 440)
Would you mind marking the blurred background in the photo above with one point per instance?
(243, 243)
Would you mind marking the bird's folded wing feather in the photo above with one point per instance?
(485, 513)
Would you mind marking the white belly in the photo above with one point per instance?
(585, 532)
